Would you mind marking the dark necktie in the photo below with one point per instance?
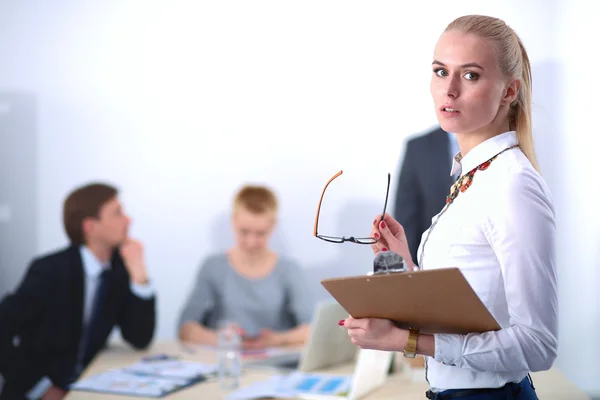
(93, 330)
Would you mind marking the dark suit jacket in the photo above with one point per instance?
(46, 314)
(423, 184)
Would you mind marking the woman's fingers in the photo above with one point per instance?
(381, 244)
(386, 233)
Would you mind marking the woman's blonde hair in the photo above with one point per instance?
(513, 62)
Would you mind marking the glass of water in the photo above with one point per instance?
(229, 357)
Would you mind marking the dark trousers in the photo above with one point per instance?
(523, 390)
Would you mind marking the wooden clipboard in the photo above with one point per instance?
(435, 301)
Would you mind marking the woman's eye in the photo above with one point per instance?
(440, 72)
(471, 76)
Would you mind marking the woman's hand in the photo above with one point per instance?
(390, 236)
(375, 334)
(266, 338)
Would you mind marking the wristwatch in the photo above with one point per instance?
(410, 350)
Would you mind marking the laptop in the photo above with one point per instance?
(370, 373)
(328, 344)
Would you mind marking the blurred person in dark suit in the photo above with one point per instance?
(69, 301)
(424, 182)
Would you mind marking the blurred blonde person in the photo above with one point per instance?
(264, 293)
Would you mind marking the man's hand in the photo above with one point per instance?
(132, 253)
(54, 393)
(266, 338)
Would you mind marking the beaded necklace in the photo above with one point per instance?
(462, 184)
(465, 181)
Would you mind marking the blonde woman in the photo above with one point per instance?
(497, 225)
(264, 293)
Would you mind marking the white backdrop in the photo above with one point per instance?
(178, 103)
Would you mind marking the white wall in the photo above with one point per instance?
(18, 191)
(579, 221)
(166, 99)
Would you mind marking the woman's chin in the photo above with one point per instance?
(451, 126)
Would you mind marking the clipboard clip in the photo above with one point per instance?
(388, 262)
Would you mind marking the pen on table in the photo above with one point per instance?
(158, 357)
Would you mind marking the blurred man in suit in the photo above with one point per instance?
(68, 302)
(424, 183)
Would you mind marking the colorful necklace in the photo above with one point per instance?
(465, 181)
(461, 184)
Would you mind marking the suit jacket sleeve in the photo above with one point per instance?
(408, 201)
(137, 319)
(17, 310)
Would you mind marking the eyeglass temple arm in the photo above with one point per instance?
(321, 201)
(387, 193)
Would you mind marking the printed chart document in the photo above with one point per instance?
(294, 384)
(316, 384)
(147, 378)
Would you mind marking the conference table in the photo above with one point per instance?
(407, 383)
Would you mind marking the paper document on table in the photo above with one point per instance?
(294, 384)
(150, 378)
(316, 384)
(266, 353)
(247, 353)
(173, 369)
(261, 390)
(118, 381)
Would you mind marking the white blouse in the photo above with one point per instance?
(500, 232)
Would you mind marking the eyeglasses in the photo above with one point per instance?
(337, 239)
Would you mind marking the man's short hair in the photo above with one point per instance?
(84, 202)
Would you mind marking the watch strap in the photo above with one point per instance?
(410, 350)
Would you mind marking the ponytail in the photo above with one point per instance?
(521, 120)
